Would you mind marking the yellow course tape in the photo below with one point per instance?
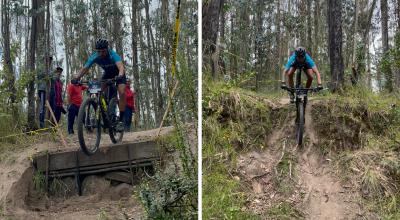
(176, 39)
(35, 132)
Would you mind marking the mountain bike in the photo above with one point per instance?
(98, 111)
(301, 98)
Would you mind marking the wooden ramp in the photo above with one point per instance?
(110, 158)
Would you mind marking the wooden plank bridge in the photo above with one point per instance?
(125, 156)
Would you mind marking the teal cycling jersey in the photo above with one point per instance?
(108, 64)
(292, 62)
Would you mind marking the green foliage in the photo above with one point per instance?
(234, 120)
(39, 181)
(365, 138)
(172, 193)
(222, 196)
(170, 196)
(283, 210)
(385, 68)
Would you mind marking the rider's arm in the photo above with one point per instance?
(120, 66)
(289, 64)
(82, 72)
(88, 64)
(118, 62)
(315, 69)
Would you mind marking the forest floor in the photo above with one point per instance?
(100, 199)
(311, 185)
(347, 167)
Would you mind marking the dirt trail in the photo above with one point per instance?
(114, 202)
(325, 198)
(317, 195)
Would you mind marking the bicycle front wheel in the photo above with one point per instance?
(113, 115)
(300, 123)
(89, 127)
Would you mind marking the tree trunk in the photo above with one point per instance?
(384, 20)
(66, 38)
(135, 63)
(258, 42)
(309, 28)
(335, 43)
(117, 18)
(152, 60)
(31, 65)
(386, 68)
(355, 33)
(222, 40)
(316, 30)
(211, 12)
(8, 66)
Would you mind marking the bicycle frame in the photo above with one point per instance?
(98, 93)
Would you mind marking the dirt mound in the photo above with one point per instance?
(299, 179)
(99, 198)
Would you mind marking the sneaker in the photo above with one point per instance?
(120, 126)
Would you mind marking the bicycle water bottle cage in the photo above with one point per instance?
(94, 87)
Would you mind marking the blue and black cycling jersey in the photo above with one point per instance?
(108, 64)
(292, 62)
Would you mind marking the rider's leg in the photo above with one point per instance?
(122, 99)
(290, 74)
(309, 73)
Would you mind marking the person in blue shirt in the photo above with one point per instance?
(301, 59)
(113, 67)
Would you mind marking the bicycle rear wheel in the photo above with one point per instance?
(89, 127)
(300, 123)
(113, 115)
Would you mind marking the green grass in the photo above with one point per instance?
(364, 141)
(283, 211)
(222, 196)
(284, 180)
(39, 181)
(234, 121)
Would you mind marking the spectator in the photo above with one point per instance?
(130, 105)
(74, 92)
(42, 87)
(56, 100)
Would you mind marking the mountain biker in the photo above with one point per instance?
(300, 59)
(113, 67)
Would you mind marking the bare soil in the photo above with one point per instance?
(317, 193)
(19, 199)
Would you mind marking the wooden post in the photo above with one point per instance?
(64, 143)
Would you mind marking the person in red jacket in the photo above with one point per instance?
(130, 105)
(74, 92)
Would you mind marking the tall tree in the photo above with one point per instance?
(118, 32)
(36, 4)
(385, 66)
(135, 61)
(8, 65)
(335, 43)
(384, 21)
(211, 14)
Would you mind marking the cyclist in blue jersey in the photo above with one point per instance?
(300, 59)
(113, 67)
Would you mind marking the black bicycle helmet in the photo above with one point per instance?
(300, 52)
(101, 43)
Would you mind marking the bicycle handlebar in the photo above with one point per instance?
(301, 89)
(101, 81)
